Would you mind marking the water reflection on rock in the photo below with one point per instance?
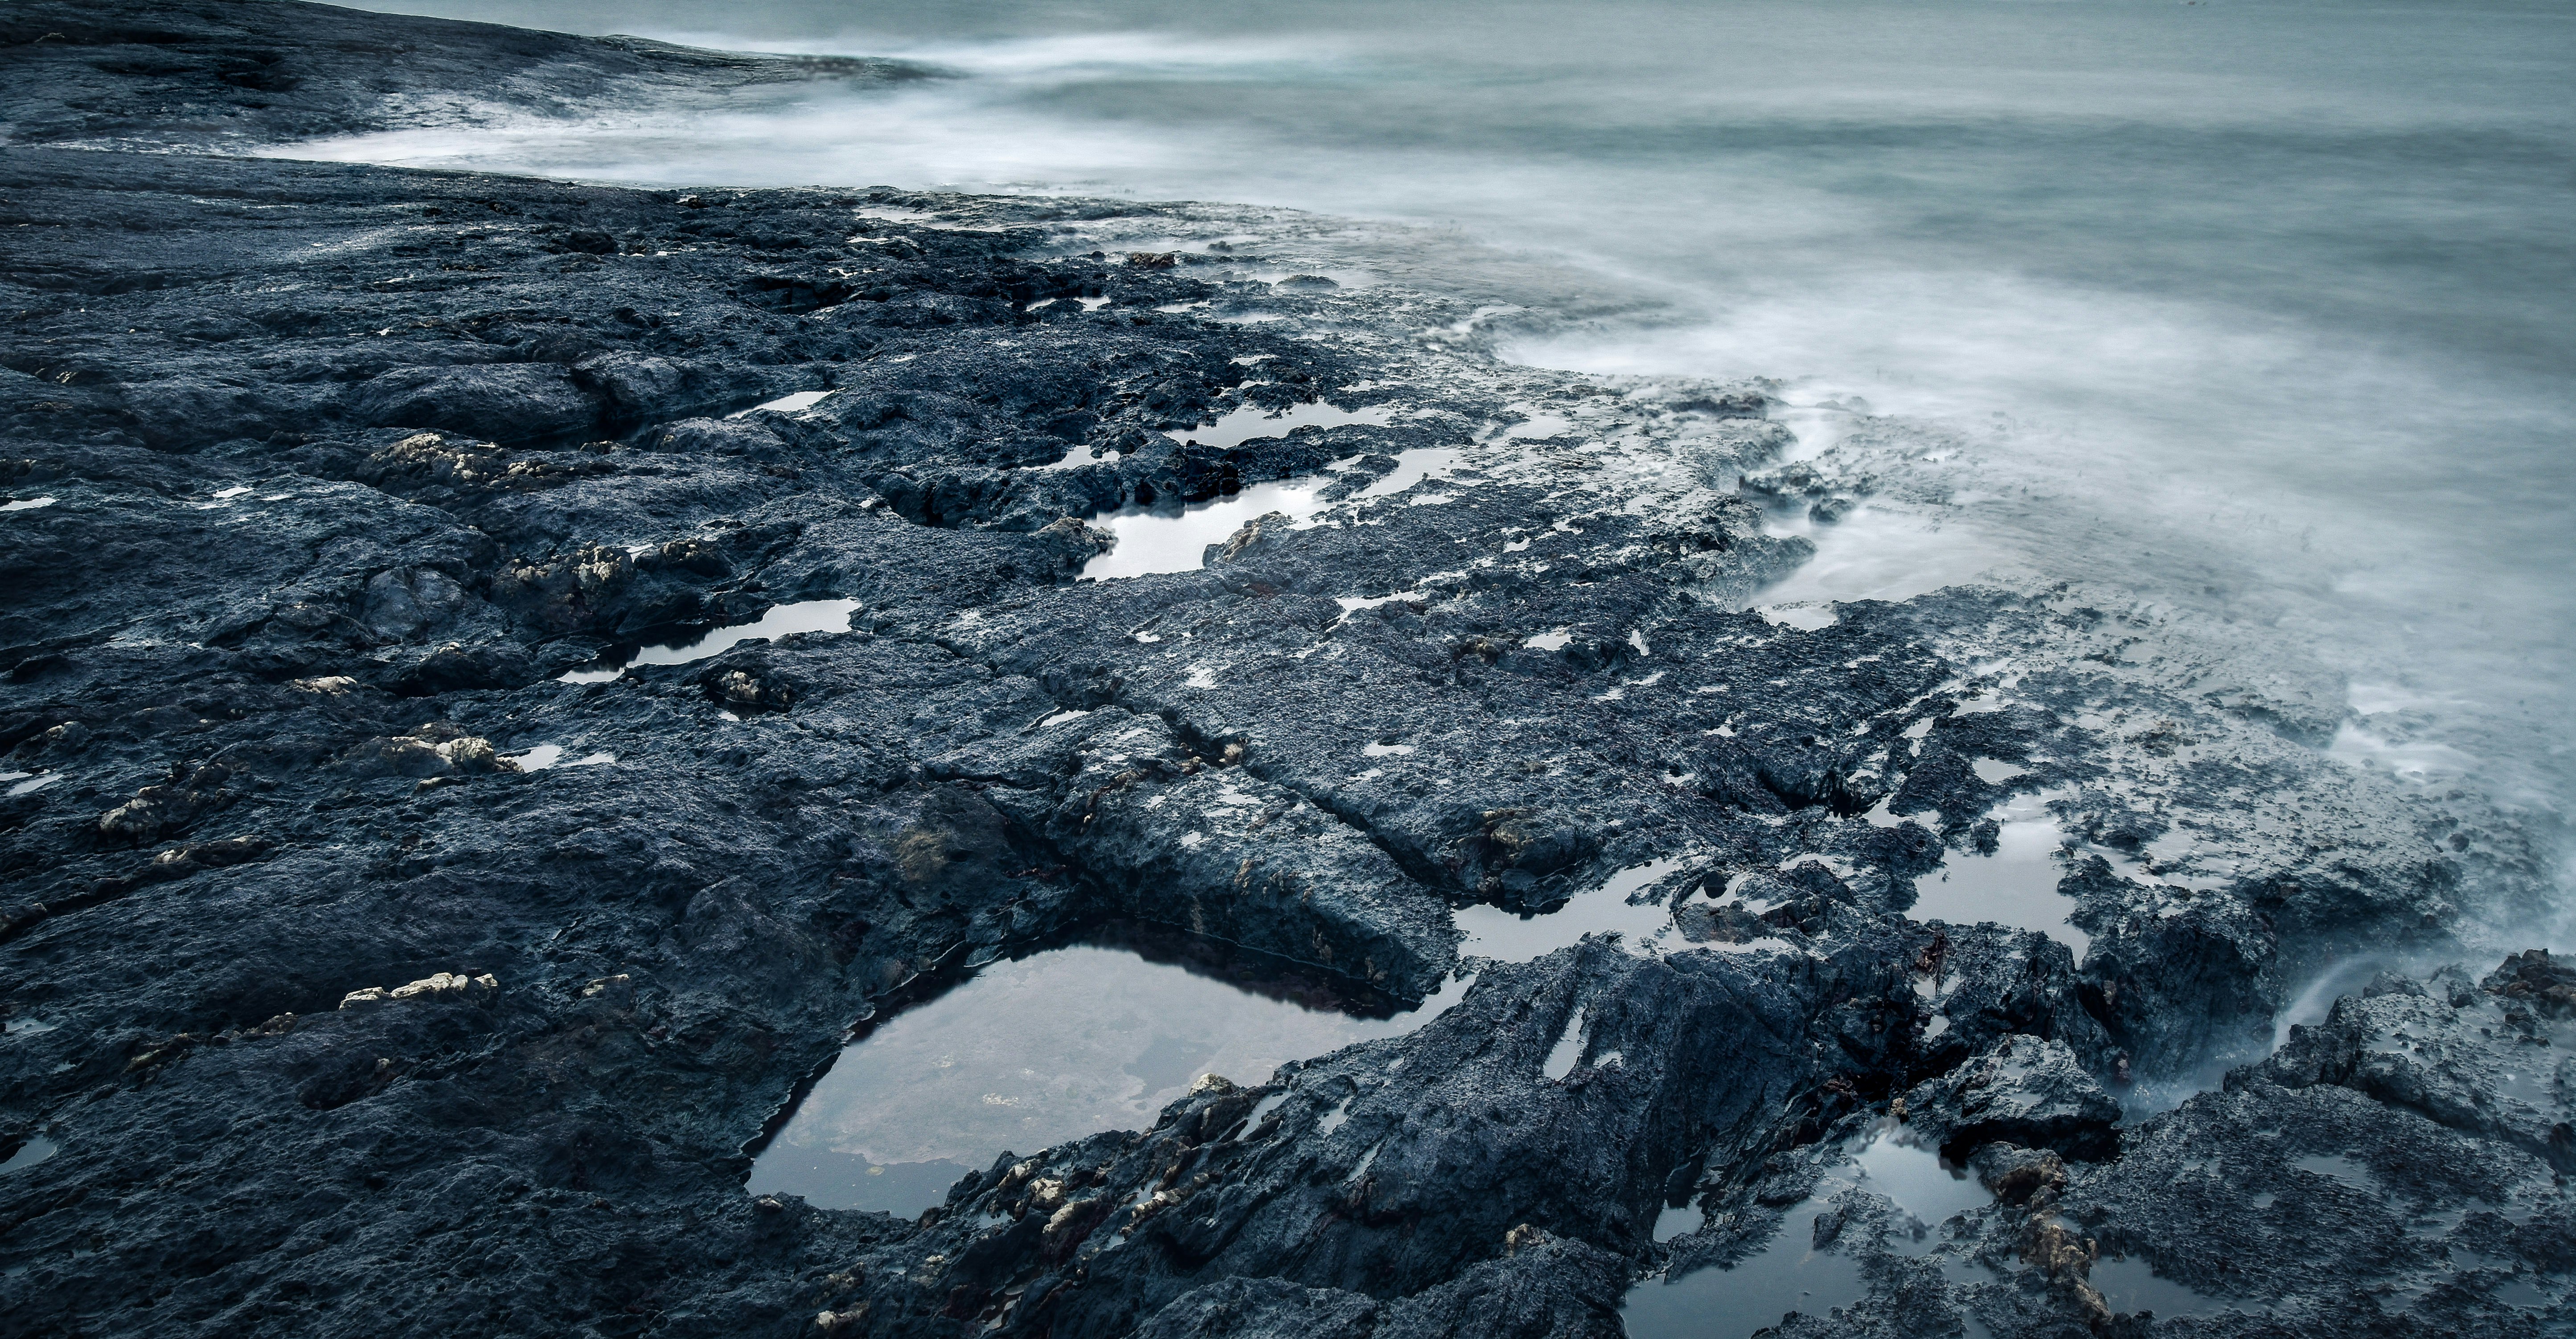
(2015, 884)
(779, 620)
(1519, 936)
(1795, 1270)
(1790, 1274)
(1036, 1051)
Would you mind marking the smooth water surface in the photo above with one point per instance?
(793, 403)
(540, 757)
(1790, 1273)
(1511, 936)
(1235, 428)
(1031, 1053)
(1165, 537)
(1175, 539)
(777, 621)
(2016, 885)
(1914, 1175)
(35, 1150)
(2129, 1283)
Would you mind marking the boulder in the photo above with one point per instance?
(2025, 1091)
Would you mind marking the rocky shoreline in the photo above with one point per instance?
(366, 974)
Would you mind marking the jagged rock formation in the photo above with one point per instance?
(364, 973)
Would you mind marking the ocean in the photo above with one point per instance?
(2256, 312)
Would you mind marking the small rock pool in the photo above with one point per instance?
(1030, 1053)
(1790, 1272)
(2016, 885)
(779, 620)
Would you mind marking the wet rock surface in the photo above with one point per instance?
(337, 1004)
(231, 76)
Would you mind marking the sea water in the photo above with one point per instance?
(2254, 310)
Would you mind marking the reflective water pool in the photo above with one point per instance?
(1790, 1272)
(2015, 886)
(1151, 540)
(1509, 936)
(1030, 1053)
(778, 621)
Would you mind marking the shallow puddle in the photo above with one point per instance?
(1160, 539)
(1510, 936)
(781, 620)
(1412, 467)
(1252, 421)
(544, 756)
(1568, 1049)
(1787, 1275)
(1923, 1183)
(787, 404)
(2016, 886)
(1030, 1053)
(35, 1150)
(1075, 456)
(1673, 1221)
(20, 783)
(1803, 617)
(1539, 427)
(1151, 540)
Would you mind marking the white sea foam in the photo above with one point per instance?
(2175, 344)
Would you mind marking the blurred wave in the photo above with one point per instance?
(2255, 309)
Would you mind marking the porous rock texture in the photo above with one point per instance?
(385, 954)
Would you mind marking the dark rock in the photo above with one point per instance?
(155, 76)
(632, 386)
(167, 808)
(2025, 1091)
(2396, 1103)
(1272, 1308)
(506, 401)
(2536, 979)
(456, 668)
(319, 552)
(402, 604)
